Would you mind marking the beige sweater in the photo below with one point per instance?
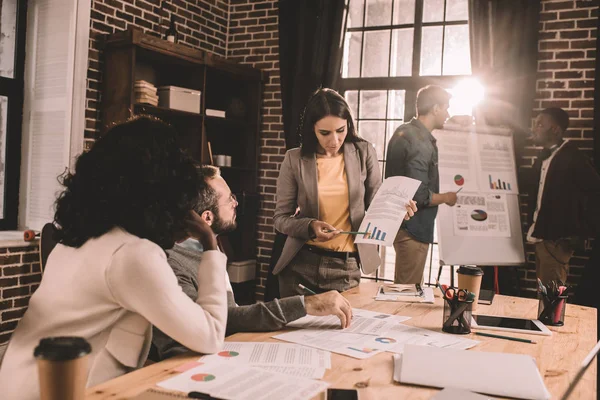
(110, 291)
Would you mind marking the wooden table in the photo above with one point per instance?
(558, 356)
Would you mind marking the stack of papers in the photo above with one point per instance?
(499, 374)
(230, 382)
(370, 333)
(405, 293)
(289, 359)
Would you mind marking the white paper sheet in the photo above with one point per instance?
(341, 342)
(228, 381)
(481, 215)
(454, 394)
(387, 210)
(426, 298)
(500, 374)
(457, 164)
(362, 322)
(266, 353)
(496, 159)
(401, 335)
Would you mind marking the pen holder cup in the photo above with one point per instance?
(457, 317)
(551, 312)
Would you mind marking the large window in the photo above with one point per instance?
(12, 54)
(391, 49)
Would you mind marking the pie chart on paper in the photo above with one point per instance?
(459, 180)
(203, 377)
(228, 353)
(479, 215)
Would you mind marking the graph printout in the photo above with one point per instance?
(387, 210)
(481, 215)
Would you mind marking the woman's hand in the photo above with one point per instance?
(411, 209)
(323, 231)
(199, 230)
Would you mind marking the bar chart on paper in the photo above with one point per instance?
(376, 234)
(498, 184)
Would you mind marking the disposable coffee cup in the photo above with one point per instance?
(469, 278)
(62, 367)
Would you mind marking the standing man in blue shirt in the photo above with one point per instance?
(412, 152)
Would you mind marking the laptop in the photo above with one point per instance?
(587, 361)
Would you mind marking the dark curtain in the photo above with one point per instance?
(311, 34)
(504, 42)
(310, 54)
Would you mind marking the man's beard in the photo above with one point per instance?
(220, 226)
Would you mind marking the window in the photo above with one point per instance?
(54, 102)
(12, 54)
(392, 48)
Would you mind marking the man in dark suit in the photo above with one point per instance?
(565, 200)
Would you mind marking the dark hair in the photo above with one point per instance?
(208, 198)
(322, 103)
(559, 116)
(135, 177)
(429, 96)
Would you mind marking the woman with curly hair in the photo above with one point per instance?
(130, 198)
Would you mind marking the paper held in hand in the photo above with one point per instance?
(387, 211)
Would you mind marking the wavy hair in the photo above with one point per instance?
(135, 177)
(322, 103)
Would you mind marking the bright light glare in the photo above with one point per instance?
(465, 95)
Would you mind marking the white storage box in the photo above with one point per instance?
(179, 98)
(241, 271)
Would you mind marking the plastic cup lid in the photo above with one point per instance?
(62, 348)
(470, 270)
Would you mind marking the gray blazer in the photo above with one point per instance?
(297, 187)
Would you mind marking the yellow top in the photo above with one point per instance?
(334, 204)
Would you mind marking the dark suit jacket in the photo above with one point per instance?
(297, 187)
(571, 196)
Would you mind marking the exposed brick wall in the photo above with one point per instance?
(254, 40)
(201, 24)
(20, 275)
(566, 71)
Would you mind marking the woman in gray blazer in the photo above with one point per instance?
(323, 188)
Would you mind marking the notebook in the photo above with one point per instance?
(498, 374)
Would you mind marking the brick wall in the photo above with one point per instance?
(254, 40)
(20, 275)
(566, 71)
(201, 24)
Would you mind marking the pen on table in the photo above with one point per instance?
(307, 290)
(506, 337)
(458, 191)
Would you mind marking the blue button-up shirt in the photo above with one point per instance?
(412, 152)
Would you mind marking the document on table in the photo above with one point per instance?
(290, 359)
(232, 382)
(341, 342)
(426, 298)
(363, 321)
(396, 338)
(499, 374)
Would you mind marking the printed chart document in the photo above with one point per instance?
(497, 162)
(401, 335)
(341, 342)
(457, 161)
(290, 359)
(499, 374)
(363, 321)
(481, 215)
(387, 211)
(231, 382)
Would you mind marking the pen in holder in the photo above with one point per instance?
(552, 303)
(457, 316)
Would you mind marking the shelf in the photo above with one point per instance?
(162, 111)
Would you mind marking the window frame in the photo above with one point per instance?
(13, 89)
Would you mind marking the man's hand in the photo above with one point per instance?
(198, 229)
(450, 198)
(323, 231)
(329, 303)
(411, 209)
